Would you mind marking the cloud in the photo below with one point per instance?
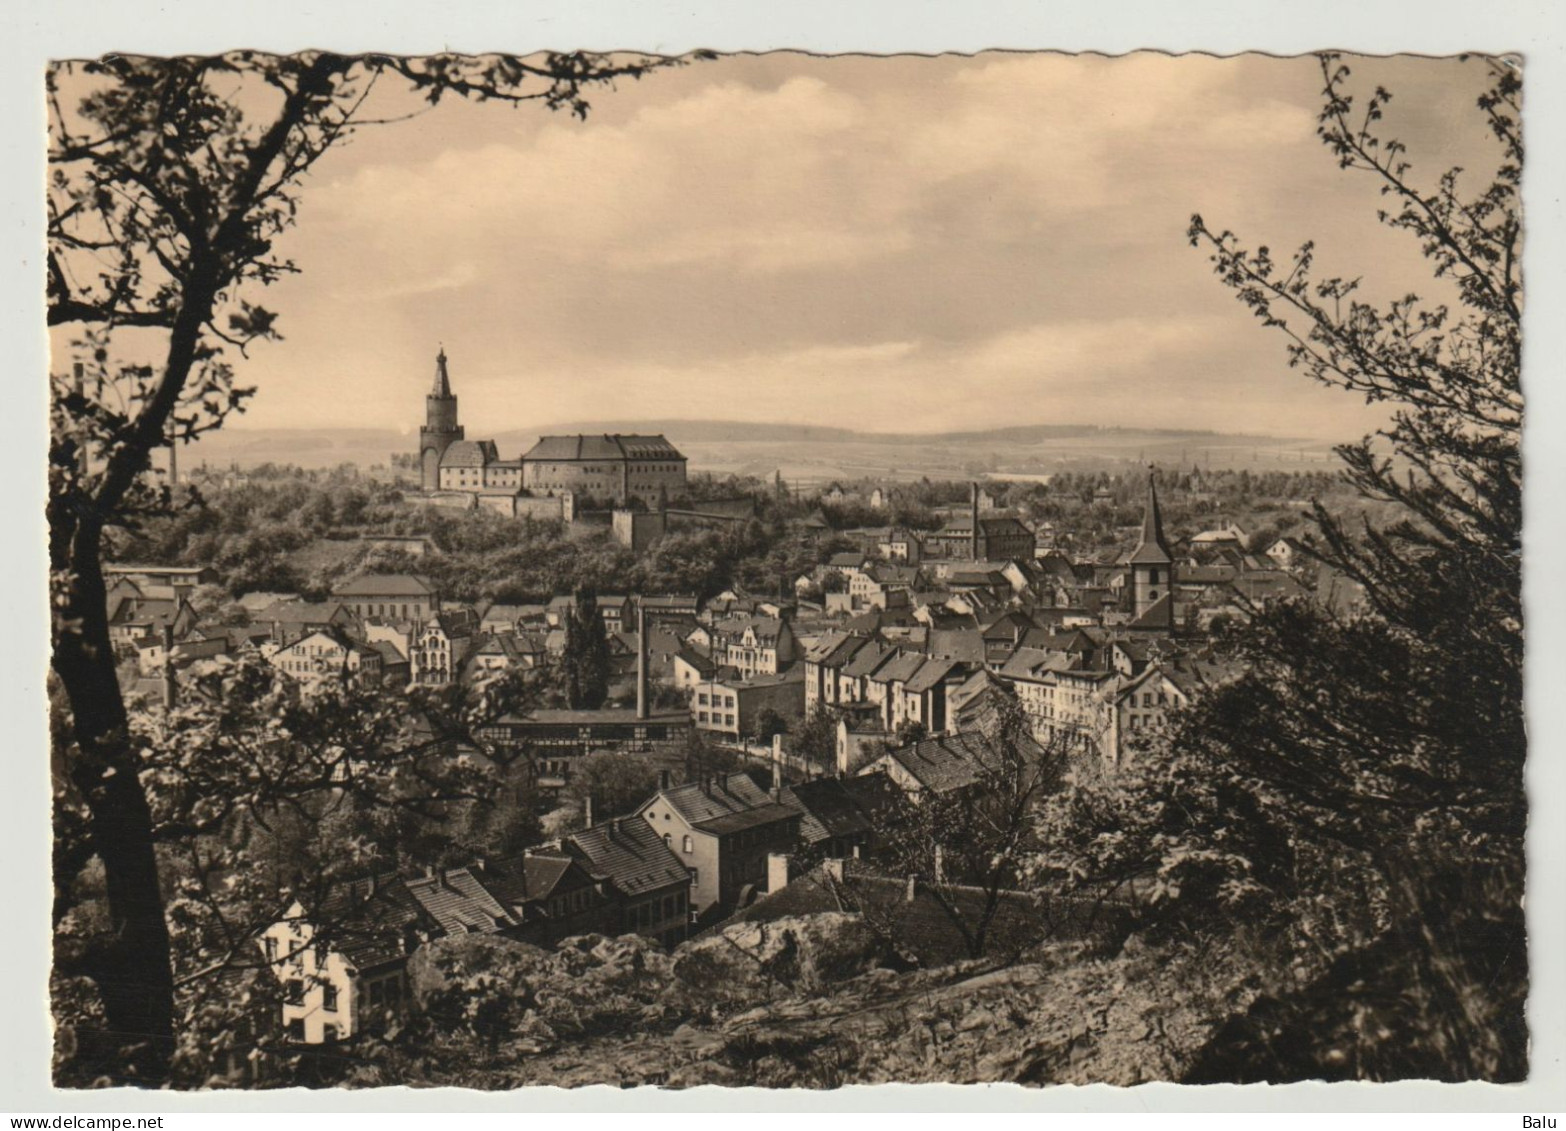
(883, 243)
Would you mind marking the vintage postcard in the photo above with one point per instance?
(784, 570)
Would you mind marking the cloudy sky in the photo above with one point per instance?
(904, 244)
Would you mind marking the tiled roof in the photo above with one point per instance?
(469, 453)
(767, 814)
(696, 802)
(900, 668)
(868, 659)
(553, 716)
(630, 853)
(367, 920)
(459, 903)
(1035, 663)
(838, 808)
(703, 664)
(949, 761)
(302, 612)
(602, 447)
(533, 876)
(932, 673)
(384, 585)
(956, 644)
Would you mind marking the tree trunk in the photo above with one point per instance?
(132, 966)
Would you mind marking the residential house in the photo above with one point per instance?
(328, 654)
(722, 829)
(648, 874)
(839, 815)
(356, 973)
(754, 645)
(440, 651)
(552, 895)
(291, 620)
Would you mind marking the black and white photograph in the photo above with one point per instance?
(784, 569)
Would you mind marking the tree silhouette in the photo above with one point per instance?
(169, 182)
(1364, 775)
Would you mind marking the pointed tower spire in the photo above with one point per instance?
(442, 382)
(1151, 548)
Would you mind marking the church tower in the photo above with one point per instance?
(1152, 569)
(440, 426)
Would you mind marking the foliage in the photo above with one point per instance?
(983, 834)
(816, 739)
(769, 722)
(1383, 798)
(585, 663)
(170, 182)
(615, 782)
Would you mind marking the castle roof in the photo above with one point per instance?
(606, 446)
(470, 453)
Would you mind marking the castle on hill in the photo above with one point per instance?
(620, 468)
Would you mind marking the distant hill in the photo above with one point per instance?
(808, 453)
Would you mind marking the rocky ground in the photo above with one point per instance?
(814, 1002)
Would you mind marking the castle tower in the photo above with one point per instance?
(1152, 568)
(440, 426)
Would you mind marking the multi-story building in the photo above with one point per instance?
(391, 598)
(328, 654)
(722, 830)
(648, 469)
(730, 707)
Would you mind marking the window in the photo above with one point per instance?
(294, 992)
(695, 876)
(329, 1034)
(271, 949)
(668, 839)
(689, 845)
(296, 1029)
(329, 997)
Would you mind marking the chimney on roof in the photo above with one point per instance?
(587, 811)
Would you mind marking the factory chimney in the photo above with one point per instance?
(973, 532)
(641, 659)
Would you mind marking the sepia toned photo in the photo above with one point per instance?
(785, 570)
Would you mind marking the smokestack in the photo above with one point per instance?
(777, 767)
(973, 510)
(587, 811)
(170, 693)
(641, 661)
